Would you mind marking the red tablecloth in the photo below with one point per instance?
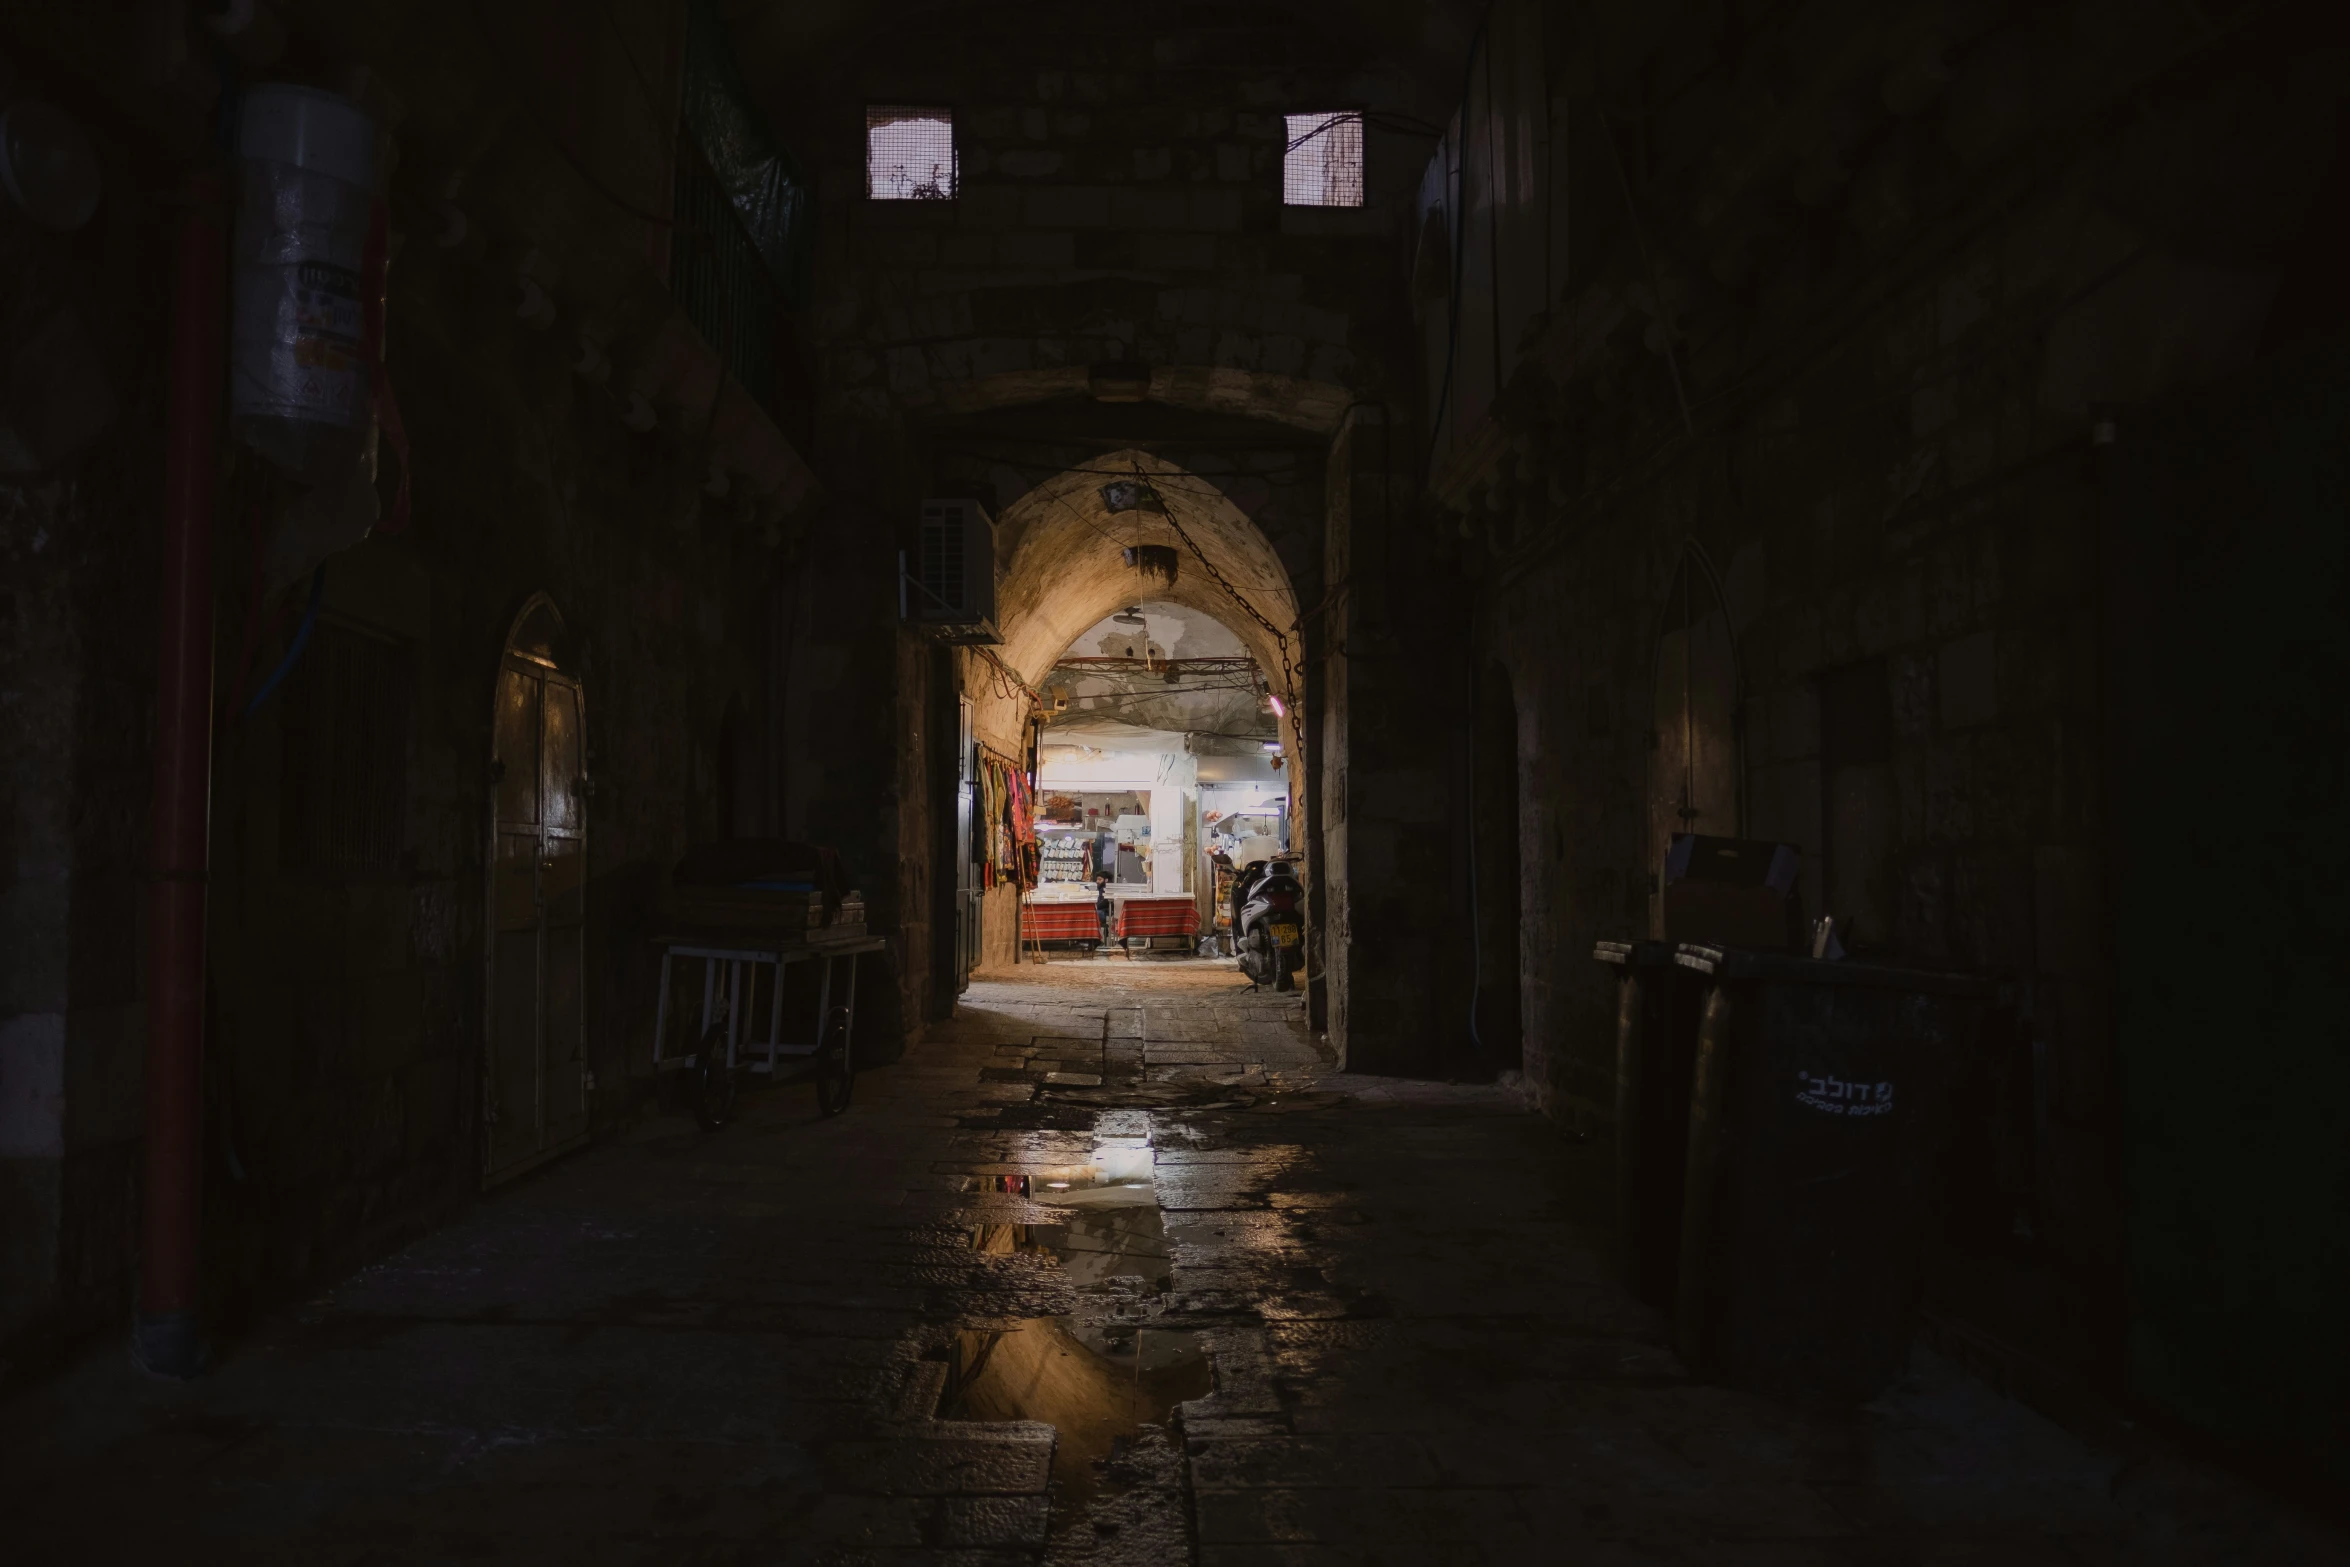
(1059, 922)
(1169, 914)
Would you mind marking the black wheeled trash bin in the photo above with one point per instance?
(1657, 1003)
(1820, 1123)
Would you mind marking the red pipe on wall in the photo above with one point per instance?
(166, 1338)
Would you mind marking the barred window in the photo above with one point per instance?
(1323, 165)
(343, 801)
(909, 153)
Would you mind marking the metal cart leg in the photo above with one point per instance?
(775, 1018)
(823, 999)
(750, 1007)
(734, 1005)
(709, 999)
(850, 1005)
(661, 1011)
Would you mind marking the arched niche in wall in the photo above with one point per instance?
(1696, 777)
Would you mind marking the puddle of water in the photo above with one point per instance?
(1097, 1383)
(1102, 1373)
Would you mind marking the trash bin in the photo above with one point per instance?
(1824, 1107)
(1657, 1001)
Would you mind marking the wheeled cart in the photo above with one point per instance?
(732, 962)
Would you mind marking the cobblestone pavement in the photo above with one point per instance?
(1114, 1268)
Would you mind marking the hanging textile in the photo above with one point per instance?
(1027, 849)
(990, 824)
(1007, 846)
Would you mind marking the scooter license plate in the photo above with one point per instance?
(1285, 935)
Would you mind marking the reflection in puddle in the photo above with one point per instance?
(1098, 1383)
(1099, 1374)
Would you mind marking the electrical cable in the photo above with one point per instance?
(1005, 673)
(1460, 230)
(643, 82)
(1656, 290)
(293, 652)
(1374, 119)
(562, 148)
(1280, 638)
(1476, 934)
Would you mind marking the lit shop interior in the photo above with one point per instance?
(1160, 770)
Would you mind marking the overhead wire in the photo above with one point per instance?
(562, 148)
(1006, 681)
(1296, 712)
(1457, 189)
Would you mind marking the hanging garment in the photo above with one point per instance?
(1025, 849)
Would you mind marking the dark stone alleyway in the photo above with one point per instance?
(732, 1347)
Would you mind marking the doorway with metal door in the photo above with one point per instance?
(534, 1089)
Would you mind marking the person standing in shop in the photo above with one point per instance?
(1105, 908)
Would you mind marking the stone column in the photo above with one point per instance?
(1393, 705)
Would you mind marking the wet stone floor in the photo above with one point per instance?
(1113, 1268)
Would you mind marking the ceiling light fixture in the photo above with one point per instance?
(1132, 495)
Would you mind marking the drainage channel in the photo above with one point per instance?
(1104, 1375)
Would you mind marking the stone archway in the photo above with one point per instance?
(1066, 571)
(1062, 569)
(1296, 402)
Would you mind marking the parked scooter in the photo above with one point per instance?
(1268, 923)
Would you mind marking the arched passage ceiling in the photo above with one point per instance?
(1067, 569)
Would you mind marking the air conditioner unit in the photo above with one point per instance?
(952, 584)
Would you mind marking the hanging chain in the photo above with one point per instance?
(1297, 721)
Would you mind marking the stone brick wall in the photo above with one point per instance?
(349, 1008)
(1855, 352)
(80, 314)
(1120, 199)
(345, 1034)
(1393, 786)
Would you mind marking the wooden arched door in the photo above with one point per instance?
(1695, 778)
(535, 1082)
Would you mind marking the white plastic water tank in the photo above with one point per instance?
(301, 383)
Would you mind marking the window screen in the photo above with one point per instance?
(1324, 164)
(343, 804)
(909, 153)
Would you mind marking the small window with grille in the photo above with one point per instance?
(1323, 164)
(909, 153)
(343, 800)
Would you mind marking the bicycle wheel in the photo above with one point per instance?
(836, 1064)
(713, 1081)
